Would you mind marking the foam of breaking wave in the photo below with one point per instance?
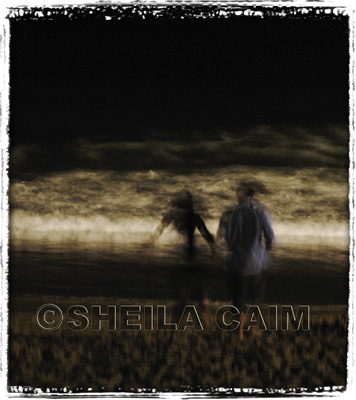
(134, 230)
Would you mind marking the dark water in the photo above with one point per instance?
(298, 275)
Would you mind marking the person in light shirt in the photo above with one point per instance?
(248, 235)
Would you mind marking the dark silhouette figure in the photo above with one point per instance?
(189, 284)
(181, 214)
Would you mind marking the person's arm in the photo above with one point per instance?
(166, 220)
(206, 234)
(223, 224)
(267, 231)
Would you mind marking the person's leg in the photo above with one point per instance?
(256, 292)
(258, 287)
(239, 286)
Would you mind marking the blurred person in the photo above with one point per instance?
(242, 230)
(190, 283)
(181, 214)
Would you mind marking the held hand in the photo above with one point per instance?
(213, 251)
(269, 246)
(270, 254)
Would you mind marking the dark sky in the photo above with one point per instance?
(129, 77)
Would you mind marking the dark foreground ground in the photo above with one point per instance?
(171, 360)
(113, 359)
